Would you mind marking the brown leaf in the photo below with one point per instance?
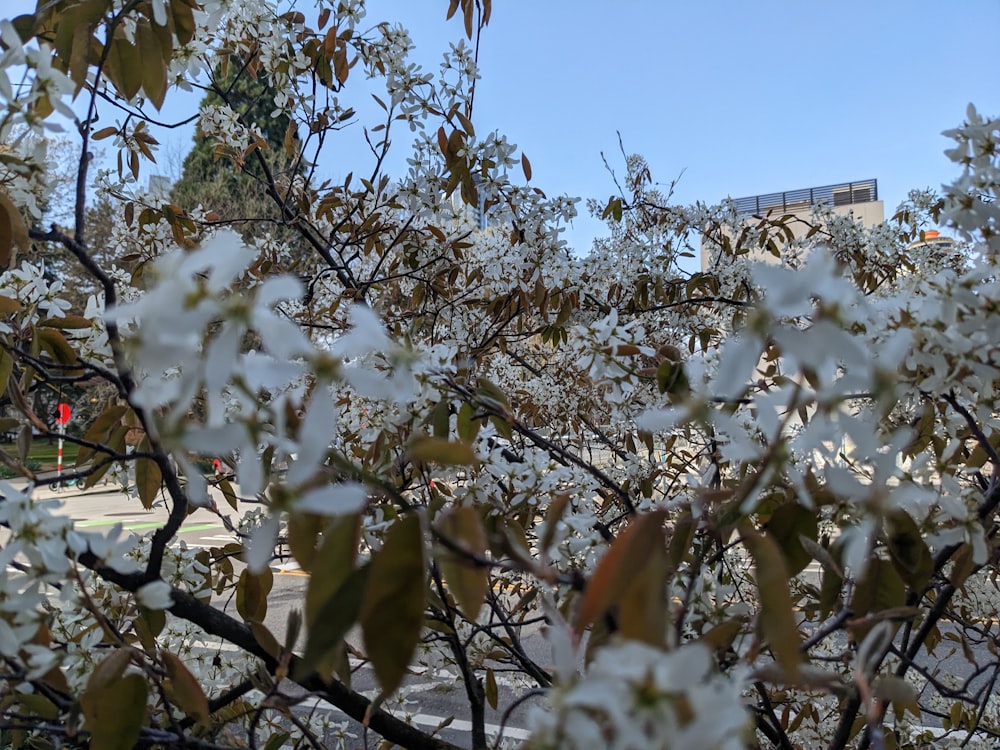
(6, 368)
(153, 62)
(9, 306)
(467, 581)
(265, 638)
(627, 554)
(110, 670)
(148, 477)
(185, 688)
(115, 713)
(777, 618)
(103, 133)
(13, 231)
(251, 594)
(392, 614)
(441, 450)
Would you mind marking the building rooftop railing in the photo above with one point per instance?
(842, 194)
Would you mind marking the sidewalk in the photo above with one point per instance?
(44, 478)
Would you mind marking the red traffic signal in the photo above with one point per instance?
(63, 414)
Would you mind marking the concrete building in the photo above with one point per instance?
(858, 198)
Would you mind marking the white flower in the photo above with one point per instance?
(155, 595)
(628, 698)
(334, 499)
(367, 335)
(262, 543)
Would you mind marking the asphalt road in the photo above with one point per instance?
(430, 702)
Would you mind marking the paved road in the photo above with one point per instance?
(431, 702)
(105, 506)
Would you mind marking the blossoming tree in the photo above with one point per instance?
(748, 507)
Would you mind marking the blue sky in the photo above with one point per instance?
(743, 98)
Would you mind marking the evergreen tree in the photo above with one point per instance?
(236, 190)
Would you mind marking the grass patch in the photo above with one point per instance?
(45, 453)
(42, 456)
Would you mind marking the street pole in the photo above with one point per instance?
(59, 450)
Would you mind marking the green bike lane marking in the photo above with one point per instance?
(150, 525)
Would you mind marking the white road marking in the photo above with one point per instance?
(429, 720)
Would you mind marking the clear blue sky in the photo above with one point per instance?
(742, 97)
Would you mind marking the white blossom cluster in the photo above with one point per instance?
(971, 201)
(633, 697)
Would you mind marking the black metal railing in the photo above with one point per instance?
(842, 194)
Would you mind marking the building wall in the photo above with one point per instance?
(868, 213)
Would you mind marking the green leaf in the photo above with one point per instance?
(671, 378)
(907, 550)
(829, 593)
(439, 419)
(441, 450)
(303, 531)
(277, 741)
(335, 556)
(252, 590)
(777, 618)
(153, 621)
(503, 427)
(880, 587)
(392, 614)
(24, 440)
(265, 638)
(899, 692)
(34, 704)
(334, 618)
(25, 26)
(467, 427)
(492, 396)
(681, 538)
(788, 523)
(467, 581)
(110, 670)
(115, 713)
